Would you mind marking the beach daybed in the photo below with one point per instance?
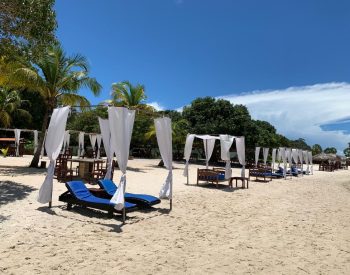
(261, 174)
(214, 175)
(79, 194)
(141, 200)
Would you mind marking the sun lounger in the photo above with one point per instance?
(78, 194)
(261, 174)
(140, 200)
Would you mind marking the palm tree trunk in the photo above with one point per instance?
(36, 158)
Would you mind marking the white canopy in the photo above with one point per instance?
(295, 155)
(53, 145)
(310, 161)
(43, 145)
(93, 138)
(17, 138)
(98, 139)
(66, 140)
(301, 159)
(121, 122)
(289, 156)
(240, 145)
(106, 136)
(283, 154)
(187, 152)
(257, 152)
(208, 142)
(273, 159)
(225, 144)
(81, 144)
(306, 157)
(265, 154)
(164, 138)
(35, 140)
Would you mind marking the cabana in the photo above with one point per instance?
(118, 131)
(226, 142)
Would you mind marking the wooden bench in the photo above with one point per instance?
(214, 175)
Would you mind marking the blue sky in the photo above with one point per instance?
(183, 49)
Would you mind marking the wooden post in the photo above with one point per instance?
(50, 204)
(124, 215)
(171, 204)
(187, 178)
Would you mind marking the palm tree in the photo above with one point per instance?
(10, 102)
(57, 78)
(127, 95)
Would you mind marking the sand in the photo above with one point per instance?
(298, 226)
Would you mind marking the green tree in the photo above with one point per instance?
(86, 121)
(300, 144)
(330, 150)
(27, 27)
(347, 152)
(127, 95)
(316, 149)
(57, 78)
(10, 104)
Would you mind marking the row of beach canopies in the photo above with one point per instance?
(116, 134)
(288, 156)
(226, 142)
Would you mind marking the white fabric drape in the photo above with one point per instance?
(273, 159)
(301, 159)
(66, 140)
(257, 152)
(35, 140)
(289, 157)
(284, 159)
(98, 140)
(240, 145)
(53, 145)
(295, 155)
(310, 160)
(279, 155)
(208, 149)
(225, 145)
(187, 152)
(81, 149)
(164, 139)
(106, 137)
(265, 154)
(121, 122)
(93, 138)
(43, 145)
(306, 158)
(17, 139)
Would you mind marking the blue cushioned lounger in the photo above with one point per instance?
(78, 194)
(139, 199)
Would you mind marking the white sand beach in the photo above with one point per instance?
(298, 226)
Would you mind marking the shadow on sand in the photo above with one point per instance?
(220, 187)
(11, 191)
(20, 171)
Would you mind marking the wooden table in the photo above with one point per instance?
(85, 165)
(242, 179)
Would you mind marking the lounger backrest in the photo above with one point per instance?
(108, 186)
(78, 189)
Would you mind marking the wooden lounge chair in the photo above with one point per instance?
(214, 176)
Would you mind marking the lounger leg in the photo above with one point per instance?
(50, 204)
(124, 215)
(171, 204)
(110, 213)
(69, 206)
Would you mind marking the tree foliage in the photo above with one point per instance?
(330, 150)
(347, 152)
(316, 149)
(27, 27)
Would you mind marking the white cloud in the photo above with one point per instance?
(300, 111)
(156, 106)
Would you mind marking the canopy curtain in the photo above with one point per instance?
(306, 157)
(93, 138)
(81, 150)
(35, 140)
(66, 140)
(289, 157)
(301, 159)
(257, 152)
(98, 140)
(310, 160)
(279, 155)
(295, 156)
(265, 154)
(240, 145)
(43, 145)
(164, 139)
(106, 137)
(273, 159)
(284, 159)
(208, 149)
(53, 145)
(225, 145)
(121, 122)
(187, 152)
(17, 139)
